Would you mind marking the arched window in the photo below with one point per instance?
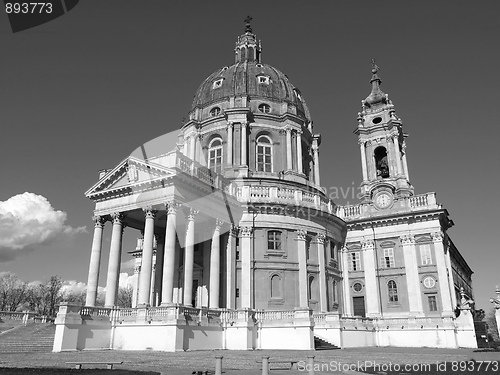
(243, 54)
(381, 162)
(264, 154)
(215, 111)
(393, 291)
(215, 155)
(275, 286)
(250, 54)
(310, 287)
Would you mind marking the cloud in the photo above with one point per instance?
(29, 219)
(73, 287)
(126, 280)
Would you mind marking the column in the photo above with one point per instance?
(371, 282)
(169, 256)
(189, 258)
(137, 272)
(316, 165)
(299, 151)
(412, 277)
(243, 143)
(95, 261)
(114, 260)
(246, 272)
(199, 150)
(152, 291)
(215, 267)
(229, 148)
(302, 258)
(450, 277)
(288, 148)
(363, 159)
(160, 254)
(437, 239)
(405, 165)
(147, 257)
(345, 282)
(192, 145)
(323, 301)
(231, 268)
(398, 154)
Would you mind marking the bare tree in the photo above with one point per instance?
(124, 298)
(13, 293)
(492, 325)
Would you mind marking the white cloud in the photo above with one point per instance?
(127, 280)
(73, 287)
(29, 219)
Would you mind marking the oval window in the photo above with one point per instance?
(215, 111)
(377, 120)
(358, 287)
(264, 108)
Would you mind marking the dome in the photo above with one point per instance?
(248, 77)
(251, 78)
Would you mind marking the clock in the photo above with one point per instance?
(383, 200)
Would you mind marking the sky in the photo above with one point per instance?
(80, 93)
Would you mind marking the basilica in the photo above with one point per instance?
(239, 246)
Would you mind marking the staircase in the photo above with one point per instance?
(320, 344)
(37, 337)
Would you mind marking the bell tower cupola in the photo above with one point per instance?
(382, 145)
(248, 48)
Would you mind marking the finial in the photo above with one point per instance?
(248, 27)
(375, 67)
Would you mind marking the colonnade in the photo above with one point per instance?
(167, 269)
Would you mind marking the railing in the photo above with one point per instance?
(319, 317)
(275, 315)
(95, 311)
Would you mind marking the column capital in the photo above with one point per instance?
(137, 269)
(300, 235)
(117, 218)
(361, 142)
(172, 207)
(191, 213)
(299, 131)
(233, 230)
(218, 224)
(99, 221)
(230, 125)
(437, 236)
(407, 239)
(149, 212)
(246, 231)
(344, 249)
(368, 244)
(321, 238)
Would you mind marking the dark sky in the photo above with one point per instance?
(82, 92)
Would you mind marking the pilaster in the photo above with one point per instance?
(246, 271)
(412, 277)
(371, 280)
(437, 239)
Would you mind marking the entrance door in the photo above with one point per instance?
(358, 304)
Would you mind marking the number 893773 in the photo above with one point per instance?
(28, 7)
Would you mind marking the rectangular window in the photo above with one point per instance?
(274, 240)
(425, 254)
(387, 261)
(215, 160)
(432, 303)
(332, 250)
(354, 261)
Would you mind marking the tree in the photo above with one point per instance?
(124, 298)
(43, 298)
(13, 293)
(492, 325)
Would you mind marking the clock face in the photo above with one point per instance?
(383, 200)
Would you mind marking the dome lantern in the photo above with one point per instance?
(247, 47)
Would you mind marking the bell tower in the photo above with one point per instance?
(383, 148)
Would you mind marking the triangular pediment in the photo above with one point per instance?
(129, 173)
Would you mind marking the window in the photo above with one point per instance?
(310, 289)
(215, 155)
(217, 83)
(264, 108)
(215, 111)
(274, 240)
(393, 291)
(425, 254)
(332, 250)
(381, 162)
(263, 80)
(387, 261)
(275, 286)
(264, 154)
(432, 300)
(357, 287)
(354, 261)
(429, 282)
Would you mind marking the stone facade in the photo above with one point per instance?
(240, 248)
